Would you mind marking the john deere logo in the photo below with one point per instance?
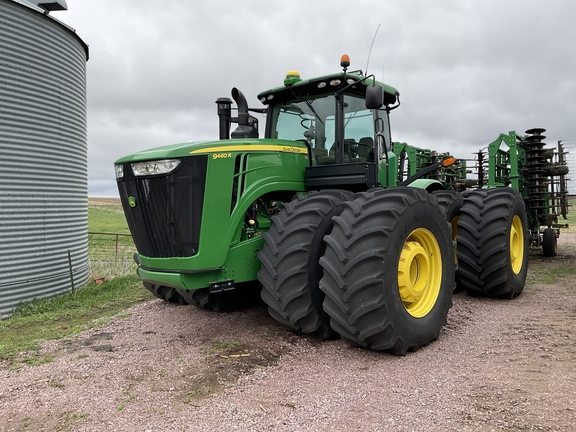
(132, 201)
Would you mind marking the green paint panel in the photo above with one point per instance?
(235, 180)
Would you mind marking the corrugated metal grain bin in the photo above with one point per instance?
(43, 155)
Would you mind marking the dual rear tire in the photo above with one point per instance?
(490, 231)
(493, 243)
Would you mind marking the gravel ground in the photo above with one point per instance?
(498, 365)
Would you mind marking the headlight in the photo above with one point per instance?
(119, 171)
(157, 167)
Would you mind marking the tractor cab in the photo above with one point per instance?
(313, 121)
(342, 119)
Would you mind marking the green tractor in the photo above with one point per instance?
(317, 213)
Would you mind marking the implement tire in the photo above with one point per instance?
(290, 270)
(493, 242)
(389, 270)
(165, 293)
(549, 243)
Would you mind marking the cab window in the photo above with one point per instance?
(313, 122)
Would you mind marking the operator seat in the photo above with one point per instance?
(366, 149)
(331, 158)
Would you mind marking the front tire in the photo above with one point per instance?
(389, 270)
(493, 243)
(290, 271)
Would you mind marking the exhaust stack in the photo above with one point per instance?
(245, 127)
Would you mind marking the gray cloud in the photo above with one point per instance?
(466, 71)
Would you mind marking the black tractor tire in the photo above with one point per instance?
(290, 270)
(549, 243)
(493, 240)
(450, 203)
(165, 293)
(243, 296)
(389, 270)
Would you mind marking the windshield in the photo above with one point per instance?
(313, 121)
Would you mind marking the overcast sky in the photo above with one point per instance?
(466, 70)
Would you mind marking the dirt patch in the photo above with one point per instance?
(226, 365)
(94, 342)
(498, 365)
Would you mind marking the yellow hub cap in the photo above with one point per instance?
(420, 272)
(516, 244)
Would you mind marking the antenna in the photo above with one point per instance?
(371, 45)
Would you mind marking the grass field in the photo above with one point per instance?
(110, 246)
(571, 220)
(106, 215)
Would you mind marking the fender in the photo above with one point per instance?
(429, 185)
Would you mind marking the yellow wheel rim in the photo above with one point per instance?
(420, 272)
(516, 244)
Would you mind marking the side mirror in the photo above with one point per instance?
(374, 96)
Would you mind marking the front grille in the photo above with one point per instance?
(166, 212)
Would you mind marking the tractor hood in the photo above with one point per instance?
(213, 147)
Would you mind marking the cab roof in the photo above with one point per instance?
(296, 88)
